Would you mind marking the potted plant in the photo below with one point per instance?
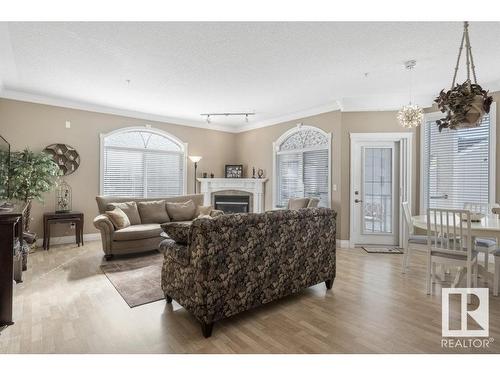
(31, 175)
(464, 105)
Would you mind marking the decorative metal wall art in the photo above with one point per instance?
(65, 156)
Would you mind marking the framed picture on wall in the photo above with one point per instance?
(234, 171)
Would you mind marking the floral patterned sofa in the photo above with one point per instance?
(233, 263)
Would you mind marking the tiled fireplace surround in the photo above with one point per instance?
(252, 187)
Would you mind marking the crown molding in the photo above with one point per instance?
(83, 106)
(350, 104)
(331, 107)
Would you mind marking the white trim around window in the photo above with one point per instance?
(492, 156)
(276, 151)
(183, 146)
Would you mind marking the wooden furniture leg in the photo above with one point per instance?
(77, 232)
(81, 229)
(45, 233)
(329, 284)
(168, 298)
(48, 235)
(206, 329)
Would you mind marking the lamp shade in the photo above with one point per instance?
(195, 159)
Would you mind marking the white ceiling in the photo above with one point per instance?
(281, 71)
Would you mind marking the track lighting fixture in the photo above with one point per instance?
(227, 114)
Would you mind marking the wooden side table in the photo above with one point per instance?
(59, 218)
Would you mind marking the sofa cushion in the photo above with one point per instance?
(205, 217)
(153, 212)
(130, 209)
(181, 211)
(138, 232)
(203, 210)
(118, 218)
(178, 231)
(486, 242)
(313, 203)
(421, 239)
(297, 203)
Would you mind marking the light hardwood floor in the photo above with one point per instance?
(66, 305)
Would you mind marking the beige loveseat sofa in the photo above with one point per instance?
(135, 238)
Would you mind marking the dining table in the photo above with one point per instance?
(487, 227)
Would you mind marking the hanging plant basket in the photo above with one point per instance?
(464, 104)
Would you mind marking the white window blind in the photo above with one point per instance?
(302, 167)
(142, 163)
(456, 165)
(290, 184)
(315, 175)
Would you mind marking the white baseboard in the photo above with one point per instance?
(69, 239)
(343, 244)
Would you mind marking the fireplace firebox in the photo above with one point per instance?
(232, 204)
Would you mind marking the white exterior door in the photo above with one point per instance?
(375, 195)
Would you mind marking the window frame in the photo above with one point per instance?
(433, 116)
(276, 145)
(183, 146)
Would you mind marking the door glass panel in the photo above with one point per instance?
(377, 190)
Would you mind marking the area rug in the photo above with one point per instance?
(382, 250)
(137, 278)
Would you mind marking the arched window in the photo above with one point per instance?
(302, 165)
(143, 163)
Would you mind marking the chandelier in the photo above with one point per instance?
(411, 115)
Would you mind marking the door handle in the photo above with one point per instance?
(358, 201)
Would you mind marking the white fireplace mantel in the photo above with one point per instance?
(254, 186)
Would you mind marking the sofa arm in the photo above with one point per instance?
(215, 213)
(177, 252)
(107, 229)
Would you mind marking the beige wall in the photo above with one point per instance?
(255, 149)
(36, 126)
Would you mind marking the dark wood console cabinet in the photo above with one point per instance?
(11, 226)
